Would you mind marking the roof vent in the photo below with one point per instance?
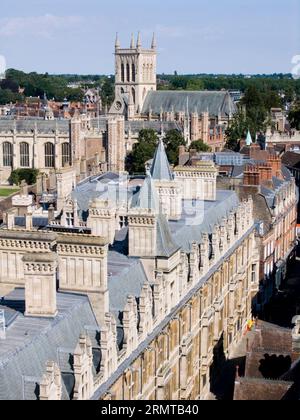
(2, 325)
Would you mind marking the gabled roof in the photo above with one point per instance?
(215, 102)
(166, 246)
(147, 198)
(291, 159)
(160, 170)
(31, 342)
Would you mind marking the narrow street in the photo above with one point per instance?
(281, 310)
(286, 304)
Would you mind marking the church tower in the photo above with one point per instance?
(135, 76)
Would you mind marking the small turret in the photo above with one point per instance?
(153, 44)
(117, 45)
(132, 46)
(139, 42)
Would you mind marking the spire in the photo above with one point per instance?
(160, 169)
(132, 42)
(249, 139)
(153, 44)
(139, 42)
(117, 45)
(147, 198)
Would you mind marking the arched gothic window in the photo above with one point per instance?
(128, 73)
(49, 155)
(122, 72)
(133, 94)
(133, 72)
(7, 154)
(65, 154)
(24, 155)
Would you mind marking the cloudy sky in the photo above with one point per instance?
(194, 36)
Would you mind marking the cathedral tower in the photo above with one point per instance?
(135, 75)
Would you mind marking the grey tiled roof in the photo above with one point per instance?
(201, 217)
(178, 101)
(91, 188)
(160, 169)
(28, 125)
(31, 342)
(147, 197)
(159, 126)
(126, 276)
(165, 246)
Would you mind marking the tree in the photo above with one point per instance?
(142, 151)
(28, 175)
(294, 116)
(200, 146)
(236, 131)
(107, 91)
(172, 141)
(195, 84)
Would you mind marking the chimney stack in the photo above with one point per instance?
(251, 176)
(51, 215)
(28, 221)
(10, 220)
(40, 285)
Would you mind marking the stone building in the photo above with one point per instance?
(45, 145)
(139, 319)
(200, 115)
(273, 190)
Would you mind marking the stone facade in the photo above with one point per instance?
(85, 143)
(164, 294)
(135, 76)
(197, 182)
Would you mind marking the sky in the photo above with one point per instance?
(193, 36)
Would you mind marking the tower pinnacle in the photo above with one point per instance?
(153, 44)
(132, 42)
(139, 42)
(117, 44)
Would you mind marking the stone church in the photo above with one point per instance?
(200, 115)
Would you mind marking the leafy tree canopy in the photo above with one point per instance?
(200, 146)
(142, 151)
(172, 141)
(294, 116)
(28, 175)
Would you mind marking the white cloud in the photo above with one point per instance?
(44, 26)
(170, 31)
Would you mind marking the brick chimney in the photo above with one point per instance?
(265, 171)
(40, 285)
(276, 165)
(251, 175)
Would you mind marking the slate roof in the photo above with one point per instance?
(27, 125)
(94, 187)
(160, 169)
(159, 126)
(126, 276)
(31, 342)
(165, 246)
(214, 102)
(291, 159)
(147, 197)
(201, 217)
